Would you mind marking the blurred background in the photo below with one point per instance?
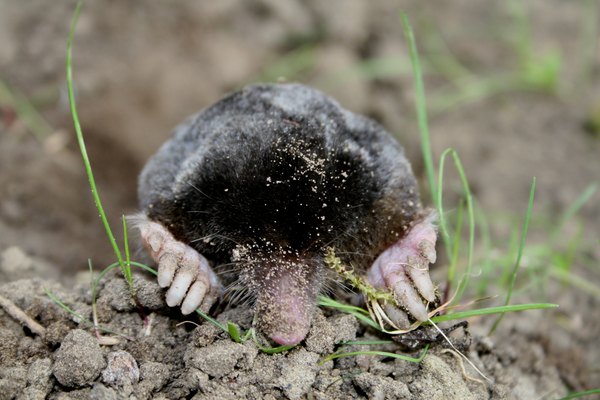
(512, 86)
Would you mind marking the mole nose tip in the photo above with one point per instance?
(288, 339)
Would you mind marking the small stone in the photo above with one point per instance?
(321, 336)
(56, 332)
(149, 294)
(345, 326)
(12, 381)
(101, 392)
(381, 387)
(299, 373)
(122, 369)
(437, 379)
(221, 358)
(116, 293)
(79, 360)
(154, 376)
(205, 334)
(38, 375)
(8, 346)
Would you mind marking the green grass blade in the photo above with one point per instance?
(93, 282)
(26, 112)
(452, 251)
(360, 314)
(269, 350)
(487, 262)
(234, 332)
(576, 281)
(366, 342)
(515, 271)
(442, 217)
(421, 106)
(574, 208)
(492, 310)
(581, 394)
(145, 267)
(290, 66)
(471, 220)
(212, 320)
(65, 307)
(83, 320)
(127, 269)
(275, 350)
(378, 353)
(81, 142)
(329, 302)
(457, 234)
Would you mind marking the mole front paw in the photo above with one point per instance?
(191, 281)
(403, 268)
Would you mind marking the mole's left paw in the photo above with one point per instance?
(403, 268)
(191, 281)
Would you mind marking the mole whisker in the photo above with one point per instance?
(202, 238)
(200, 191)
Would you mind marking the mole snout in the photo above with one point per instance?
(265, 180)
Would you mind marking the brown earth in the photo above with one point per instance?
(142, 67)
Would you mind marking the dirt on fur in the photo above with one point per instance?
(142, 67)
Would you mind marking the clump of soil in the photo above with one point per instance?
(156, 357)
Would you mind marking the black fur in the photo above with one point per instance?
(281, 169)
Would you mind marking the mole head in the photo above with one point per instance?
(281, 207)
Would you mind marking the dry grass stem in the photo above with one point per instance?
(18, 314)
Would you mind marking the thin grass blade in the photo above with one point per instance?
(515, 271)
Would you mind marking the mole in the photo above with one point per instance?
(247, 195)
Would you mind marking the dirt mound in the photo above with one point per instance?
(156, 357)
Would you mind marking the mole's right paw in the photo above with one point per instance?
(403, 269)
(191, 281)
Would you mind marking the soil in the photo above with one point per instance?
(142, 67)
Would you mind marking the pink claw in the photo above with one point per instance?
(403, 268)
(187, 274)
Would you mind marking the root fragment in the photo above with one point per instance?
(18, 314)
(462, 367)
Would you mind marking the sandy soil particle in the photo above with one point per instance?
(322, 335)
(12, 381)
(221, 358)
(154, 376)
(122, 369)
(381, 387)
(79, 359)
(8, 346)
(299, 373)
(39, 379)
(437, 380)
(325, 333)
